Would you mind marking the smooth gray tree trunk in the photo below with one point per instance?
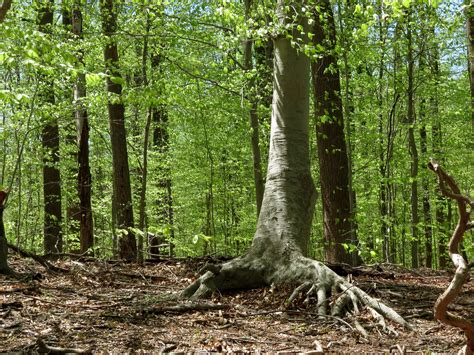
(278, 253)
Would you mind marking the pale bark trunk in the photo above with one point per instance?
(116, 108)
(281, 240)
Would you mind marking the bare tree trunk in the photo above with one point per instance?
(383, 163)
(470, 51)
(332, 148)
(441, 206)
(348, 105)
(84, 180)
(53, 242)
(118, 136)
(146, 139)
(6, 4)
(161, 144)
(4, 267)
(426, 201)
(73, 215)
(412, 147)
(254, 124)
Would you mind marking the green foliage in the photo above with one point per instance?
(200, 84)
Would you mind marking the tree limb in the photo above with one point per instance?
(450, 189)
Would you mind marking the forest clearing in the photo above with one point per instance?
(236, 176)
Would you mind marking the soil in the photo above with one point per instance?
(116, 307)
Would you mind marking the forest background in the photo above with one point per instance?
(196, 105)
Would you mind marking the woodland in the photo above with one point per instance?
(236, 176)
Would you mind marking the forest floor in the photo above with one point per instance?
(100, 306)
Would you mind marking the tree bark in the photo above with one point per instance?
(277, 254)
(161, 144)
(53, 242)
(4, 267)
(6, 4)
(142, 220)
(411, 121)
(254, 123)
(118, 136)
(470, 51)
(332, 148)
(84, 181)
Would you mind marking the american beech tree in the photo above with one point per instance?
(278, 252)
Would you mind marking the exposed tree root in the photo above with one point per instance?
(321, 287)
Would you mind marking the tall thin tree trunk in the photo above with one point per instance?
(73, 216)
(383, 186)
(53, 241)
(254, 124)
(146, 139)
(348, 105)
(118, 136)
(332, 148)
(84, 180)
(412, 147)
(427, 223)
(161, 144)
(426, 200)
(470, 51)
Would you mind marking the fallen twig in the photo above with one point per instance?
(45, 348)
(45, 263)
(183, 308)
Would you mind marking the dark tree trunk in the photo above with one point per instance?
(6, 4)
(346, 23)
(161, 144)
(142, 220)
(383, 163)
(4, 267)
(118, 136)
(53, 242)
(82, 124)
(470, 51)
(254, 123)
(73, 214)
(411, 121)
(332, 148)
(426, 203)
